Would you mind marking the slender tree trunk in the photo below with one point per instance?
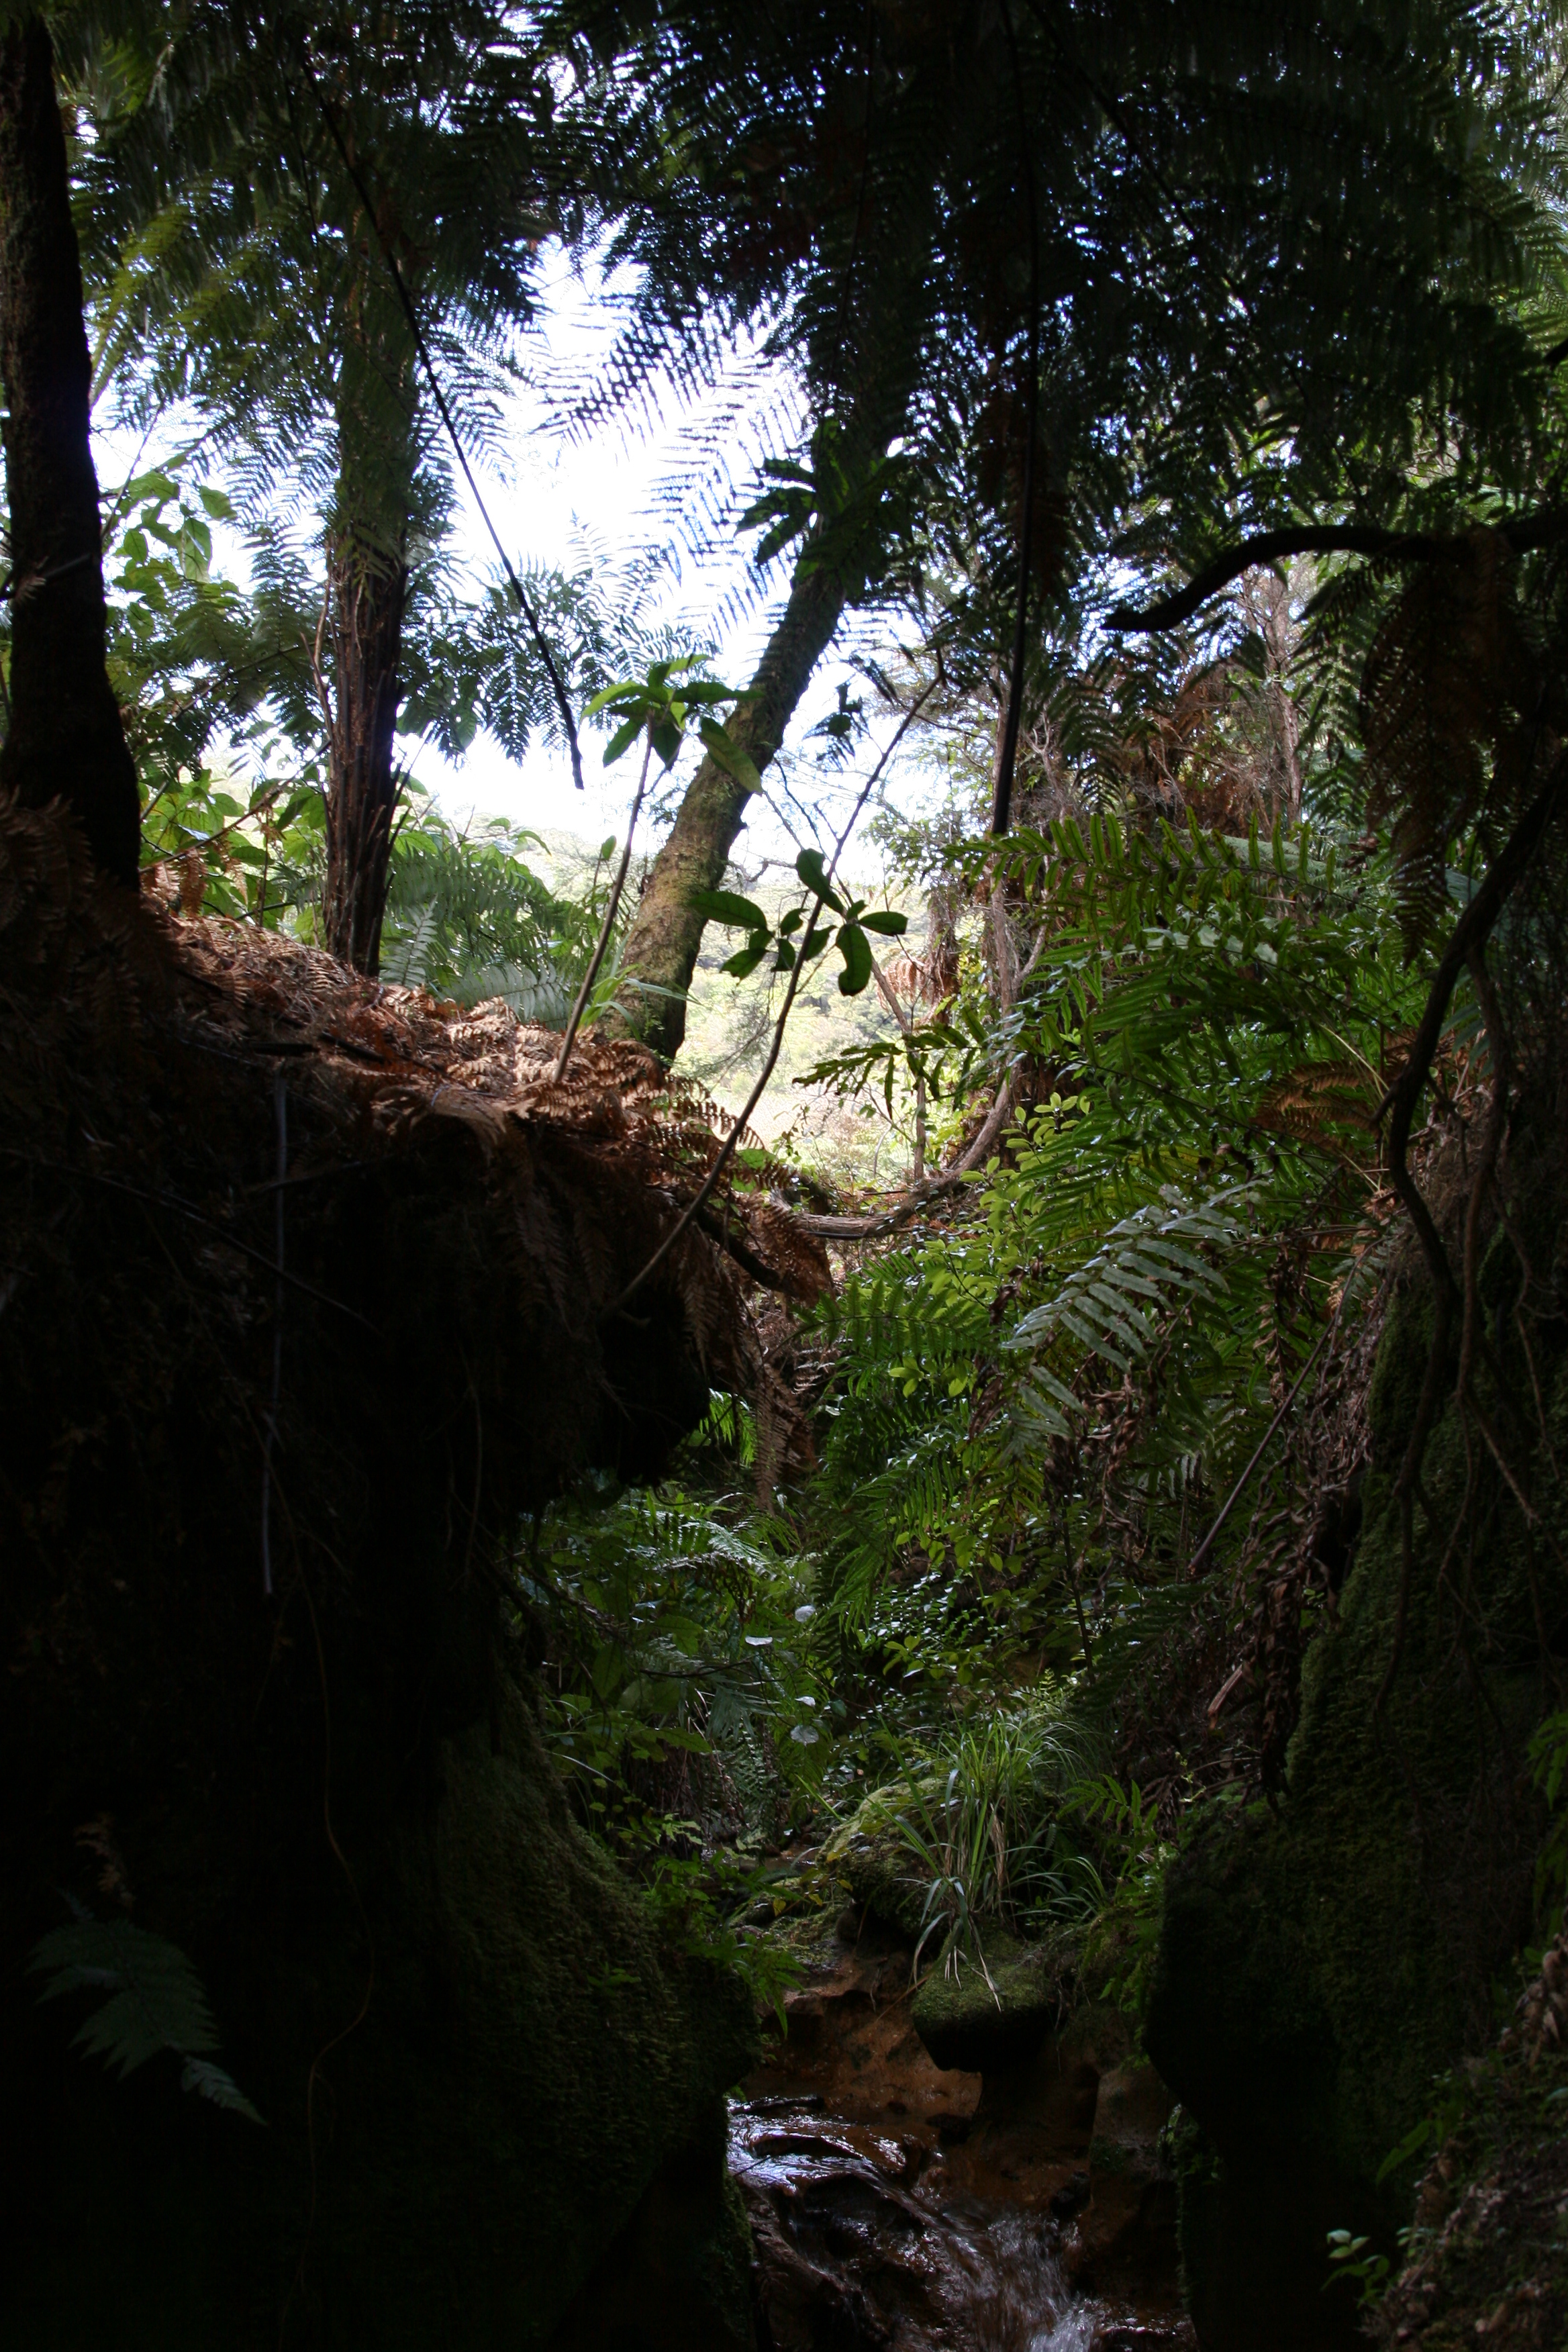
(376, 510)
(366, 595)
(870, 350)
(65, 738)
(662, 944)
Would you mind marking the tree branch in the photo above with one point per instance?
(1522, 534)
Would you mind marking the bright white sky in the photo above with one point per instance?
(544, 494)
(609, 490)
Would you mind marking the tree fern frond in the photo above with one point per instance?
(157, 2002)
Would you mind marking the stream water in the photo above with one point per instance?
(897, 2207)
(862, 2243)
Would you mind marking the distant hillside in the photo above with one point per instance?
(729, 1025)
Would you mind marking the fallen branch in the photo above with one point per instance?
(861, 1229)
(887, 1220)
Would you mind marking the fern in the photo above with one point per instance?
(468, 918)
(1117, 1304)
(156, 2002)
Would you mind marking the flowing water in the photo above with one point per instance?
(870, 2238)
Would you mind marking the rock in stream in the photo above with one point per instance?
(896, 2206)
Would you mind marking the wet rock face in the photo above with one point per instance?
(899, 2205)
(849, 2257)
(851, 2035)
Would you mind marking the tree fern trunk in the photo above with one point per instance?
(65, 738)
(662, 944)
(367, 593)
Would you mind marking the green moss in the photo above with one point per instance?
(985, 2019)
(1316, 1970)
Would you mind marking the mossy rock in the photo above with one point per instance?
(987, 2020)
(531, 2080)
(1317, 1969)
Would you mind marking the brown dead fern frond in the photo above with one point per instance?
(1317, 1102)
(1449, 696)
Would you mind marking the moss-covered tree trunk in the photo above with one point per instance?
(662, 944)
(380, 508)
(64, 738)
(368, 591)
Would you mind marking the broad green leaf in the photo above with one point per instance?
(811, 871)
(729, 907)
(722, 747)
(148, 488)
(622, 736)
(887, 920)
(629, 690)
(856, 950)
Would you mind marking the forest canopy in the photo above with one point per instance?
(1099, 651)
(1158, 403)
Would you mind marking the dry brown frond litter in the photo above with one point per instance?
(185, 1100)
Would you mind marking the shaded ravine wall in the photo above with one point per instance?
(1320, 1965)
(486, 2084)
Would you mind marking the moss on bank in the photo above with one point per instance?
(1318, 1969)
(273, 1675)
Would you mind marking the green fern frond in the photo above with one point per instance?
(1154, 1254)
(157, 2002)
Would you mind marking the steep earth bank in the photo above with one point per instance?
(1326, 1964)
(303, 1308)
